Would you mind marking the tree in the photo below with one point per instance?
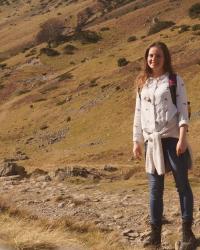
(50, 31)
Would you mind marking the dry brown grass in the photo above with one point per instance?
(23, 231)
(100, 130)
(97, 115)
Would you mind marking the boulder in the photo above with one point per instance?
(9, 168)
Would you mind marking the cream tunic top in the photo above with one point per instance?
(155, 113)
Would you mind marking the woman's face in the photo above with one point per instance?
(155, 59)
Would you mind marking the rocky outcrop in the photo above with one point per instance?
(89, 14)
(121, 207)
(9, 168)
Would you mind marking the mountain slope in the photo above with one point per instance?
(78, 107)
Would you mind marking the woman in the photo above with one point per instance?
(162, 124)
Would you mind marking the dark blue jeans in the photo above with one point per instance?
(179, 167)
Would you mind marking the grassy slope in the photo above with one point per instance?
(100, 129)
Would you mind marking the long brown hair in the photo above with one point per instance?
(147, 72)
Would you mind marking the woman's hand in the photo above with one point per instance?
(182, 142)
(181, 146)
(137, 151)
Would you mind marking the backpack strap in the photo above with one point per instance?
(172, 87)
(139, 92)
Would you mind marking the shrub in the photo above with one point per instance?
(65, 76)
(183, 28)
(3, 65)
(104, 29)
(50, 31)
(194, 10)
(61, 102)
(69, 49)
(196, 27)
(160, 26)
(92, 84)
(49, 52)
(87, 36)
(132, 38)
(122, 62)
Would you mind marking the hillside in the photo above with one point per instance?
(67, 96)
(77, 107)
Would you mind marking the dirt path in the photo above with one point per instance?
(113, 206)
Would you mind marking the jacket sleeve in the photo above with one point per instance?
(137, 127)
(182, 102)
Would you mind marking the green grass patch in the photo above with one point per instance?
(196, 27)
(194, 10)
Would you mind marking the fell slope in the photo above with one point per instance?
(78, 107)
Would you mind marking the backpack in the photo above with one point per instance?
(172, 88)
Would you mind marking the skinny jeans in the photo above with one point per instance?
(179, 166)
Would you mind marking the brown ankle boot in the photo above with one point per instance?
(187, 234)
(155, 236)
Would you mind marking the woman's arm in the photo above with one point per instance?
(137, 129)
(183, 120)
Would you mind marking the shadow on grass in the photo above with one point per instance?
(39, 246)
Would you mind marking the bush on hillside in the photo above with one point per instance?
(160, 25)
(183, 28)
(50, 31)
(49, 52)
(87, 36)
(122, 62)
(3, 65)
(69, 49)
(104, 29)
(65, 76)
(61, 102)
(194, 10)
(196, 27)
(132, 39)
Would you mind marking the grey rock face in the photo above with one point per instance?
(8, 168)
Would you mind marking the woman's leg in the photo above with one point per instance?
(185, 193)
(179, 166)
(180, 172)
(186, 203)
(156, 188)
